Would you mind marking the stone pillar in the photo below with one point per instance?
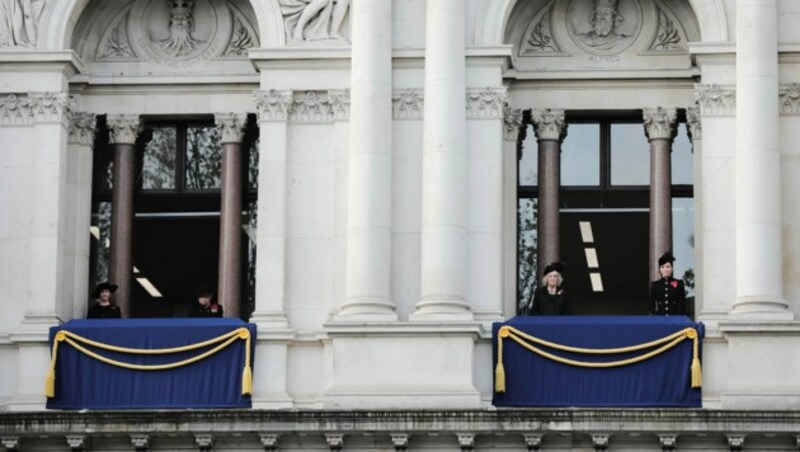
(124, 130)
(229, 288)
(512, 129)
(550, 130)
(79, 180)
(271, 358)
(369, 199)
(443, 261)
(759, 255)
(659, 126)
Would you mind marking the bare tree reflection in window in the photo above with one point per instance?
(527, 246)
(159, 160)
(101, 240)
(250, 225)
(203, 158)
(252, 165)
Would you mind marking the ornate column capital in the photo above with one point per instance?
(736, 441)
(549, 123)
(204, 441)
(140, 442)
(77, 443)
(339, 100)
(466, 441)
(35, 107)
(667, 441)
(715, 100)
(512, 123)
(124, 128)
(533, 441)
(231, 126)
(311, 106)
(487, 102)
(694, 124)
(82, 128)
(335, 441)
(659, 123)
(600, 442)
(400, 441)
(790, 99)
(273, 105)
(408, 104)
(11, 443)
(269, 441)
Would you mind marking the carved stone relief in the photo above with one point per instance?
(790, 99)
(487, 103)
(715, 100)
(539, 35)
(306, 21)
(669, 36)
(19, 22)
(604, 27)
(35, 107)
(178, 32)
(408, 104)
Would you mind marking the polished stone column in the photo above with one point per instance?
(124, 130)
(659, 126)
(229, 288)
(550, 130)
(444, 186)
(759, 254)
(369, 197)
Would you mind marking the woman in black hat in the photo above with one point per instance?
(667, 294)
(550, 298)
(206, 305)
(104, 309)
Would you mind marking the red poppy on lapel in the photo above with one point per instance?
(674, 284)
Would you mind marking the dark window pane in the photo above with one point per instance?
(252, 165)
(580, 155)
(250, 225)
(683, 241)
(158, 162)
(527, 246)
(529, 163)
(203, 158)
(682, 157)
(630, 155)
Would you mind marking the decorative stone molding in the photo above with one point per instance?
(736, 442)
(340, 104)
(408, 104)
(19, 24)
(693, 122)
(335, 441)
(273, 105)
(82, 128)
(533, 441)
(141, 443)
(549, 123)
(204, 441)
(400, 441)
(313, 22)
(231, 126)
(715, 100)
(538, 38)
(35, 107)
(77, 443)
(124, 128)
(600, 442)
(311, 106)
(11, 443)
(466, 441)
(243, 37)
(115, 45)
(667, 442)
(269, 441)
(790, 99)
(659, 123)
(512, 123)
(487, 103)
(669, 36)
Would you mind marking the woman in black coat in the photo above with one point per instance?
(550, 298)
(667, 294)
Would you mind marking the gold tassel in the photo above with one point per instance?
(500, 377)
(50, 384)
(247, 380)
(697, 373)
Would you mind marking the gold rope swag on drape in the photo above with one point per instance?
(224, 341)
(527, 341)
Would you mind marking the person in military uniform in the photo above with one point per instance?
(104, 309)
(667, 294)
(550, 298)
(206, 305)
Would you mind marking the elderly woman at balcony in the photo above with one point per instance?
(550, 298)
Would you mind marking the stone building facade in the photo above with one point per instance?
(409, 162)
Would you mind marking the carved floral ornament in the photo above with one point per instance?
(790, 99)
(659, 123)
(715, 100)
(231, 126)
(549, 123)
(35, 107)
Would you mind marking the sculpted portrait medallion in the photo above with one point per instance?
(604, 27)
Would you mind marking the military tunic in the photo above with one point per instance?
(210, 310)
(99, 311)
(667, 297)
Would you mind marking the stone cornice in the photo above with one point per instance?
(231, 126)
(82, 128)
(790, 99)
(273, 105)
(549, 123)
(408, 104)
(715, 100)
(124, 128)
(35, 107)
(487, 103)
(659, 123)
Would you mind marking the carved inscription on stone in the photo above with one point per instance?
(314, 20)
(604, 27)
(19, 22)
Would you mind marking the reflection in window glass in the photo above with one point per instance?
(158, 162)
(203, 158)
(580, 155)
(630, 155)
(529, 163)
(527, 245)
(252, 165)
(100, 243)
(683, 241)
(250, 225)
(682, 167)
